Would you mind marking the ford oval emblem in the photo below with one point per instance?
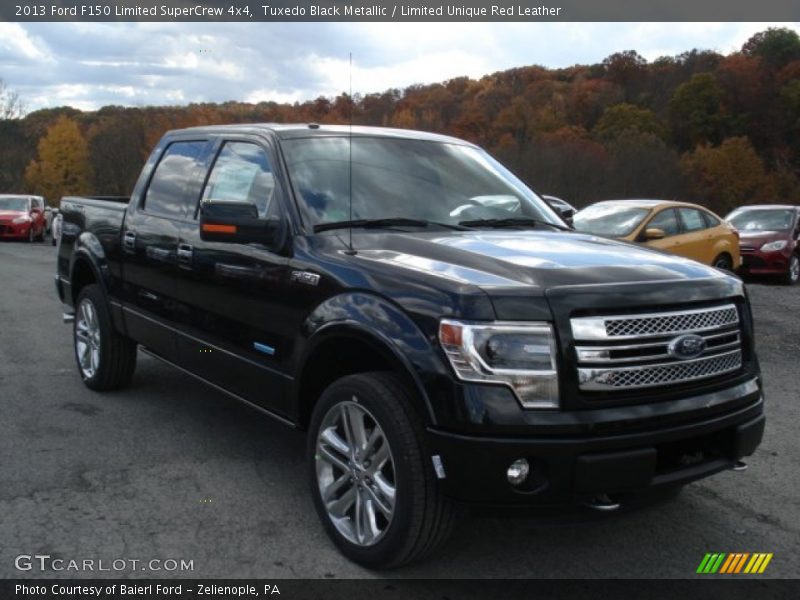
(687, 346)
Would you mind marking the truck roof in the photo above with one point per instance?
(304, 130)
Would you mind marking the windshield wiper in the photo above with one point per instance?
(511, 222)
(388, 222)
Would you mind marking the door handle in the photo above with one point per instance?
(185, 253)
(129, 241)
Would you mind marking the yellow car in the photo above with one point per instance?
(677, 227)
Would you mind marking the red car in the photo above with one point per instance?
(769, 240)
(22, 217)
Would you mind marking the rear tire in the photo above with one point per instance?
(723, 262)
(792, 275)
(30, 235)
(377, 407)
(106, 360)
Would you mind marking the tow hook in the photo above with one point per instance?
(603, 503)
(739, 465)
(67, 317)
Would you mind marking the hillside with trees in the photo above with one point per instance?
(701, 126)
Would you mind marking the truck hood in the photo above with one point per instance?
(530, 259)
(7, 215)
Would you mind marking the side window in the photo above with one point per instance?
(242, 173)
(168, 192)
(692, 219)
(711, 220)
(667, 221)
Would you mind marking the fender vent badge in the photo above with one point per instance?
(305, 277)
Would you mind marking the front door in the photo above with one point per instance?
(667, 221)
(236, 330)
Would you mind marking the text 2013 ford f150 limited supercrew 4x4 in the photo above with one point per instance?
(431, 323)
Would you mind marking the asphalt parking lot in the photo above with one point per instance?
(170, 469)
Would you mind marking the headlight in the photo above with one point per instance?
(21, 220)
(774, 246)
(519, 355)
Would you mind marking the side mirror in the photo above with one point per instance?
(654, 233)
(566, 214)
(238, 223)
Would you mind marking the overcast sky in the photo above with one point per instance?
(135, 64)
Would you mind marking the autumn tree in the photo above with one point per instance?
(62, 167)
(627, 69)
(622, 118)
(641, 165)
(776, 46)
(727, 176)
(696, 111)
(117, 165)
(566, 163)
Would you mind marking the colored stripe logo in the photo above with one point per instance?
(734, 562)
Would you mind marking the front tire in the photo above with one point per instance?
(106, 360)
(792, 275)
(723, 262)
(371, 479)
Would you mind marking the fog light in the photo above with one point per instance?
(518, 472)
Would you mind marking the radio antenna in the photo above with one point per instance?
(350, 250)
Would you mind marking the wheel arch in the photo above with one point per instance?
(346, 348)
(88, 265)
(356, 333)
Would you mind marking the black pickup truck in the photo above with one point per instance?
(441, 335)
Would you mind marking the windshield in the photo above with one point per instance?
(610, 220)
(762, 219)
(20, 204)
(413, 179)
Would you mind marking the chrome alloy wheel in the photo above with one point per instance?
(87, 338)
(355, 473)
(794, 268)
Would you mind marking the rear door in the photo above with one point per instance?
(236, 328)
(693, 241)
(150, 235)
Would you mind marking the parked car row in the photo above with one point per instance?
(26, 217)
(22, 217)
(752, 240)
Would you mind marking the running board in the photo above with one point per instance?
(252, 405)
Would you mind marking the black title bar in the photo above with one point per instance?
(399, 11)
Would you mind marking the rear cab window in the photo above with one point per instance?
(175, 184)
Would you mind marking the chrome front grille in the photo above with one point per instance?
(622, 352)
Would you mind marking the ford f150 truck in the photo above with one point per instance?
(441, 335)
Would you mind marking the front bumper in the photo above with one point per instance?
(11, 231)
(765, 263)
(573, 467)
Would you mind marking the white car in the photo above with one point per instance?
(56, 227)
